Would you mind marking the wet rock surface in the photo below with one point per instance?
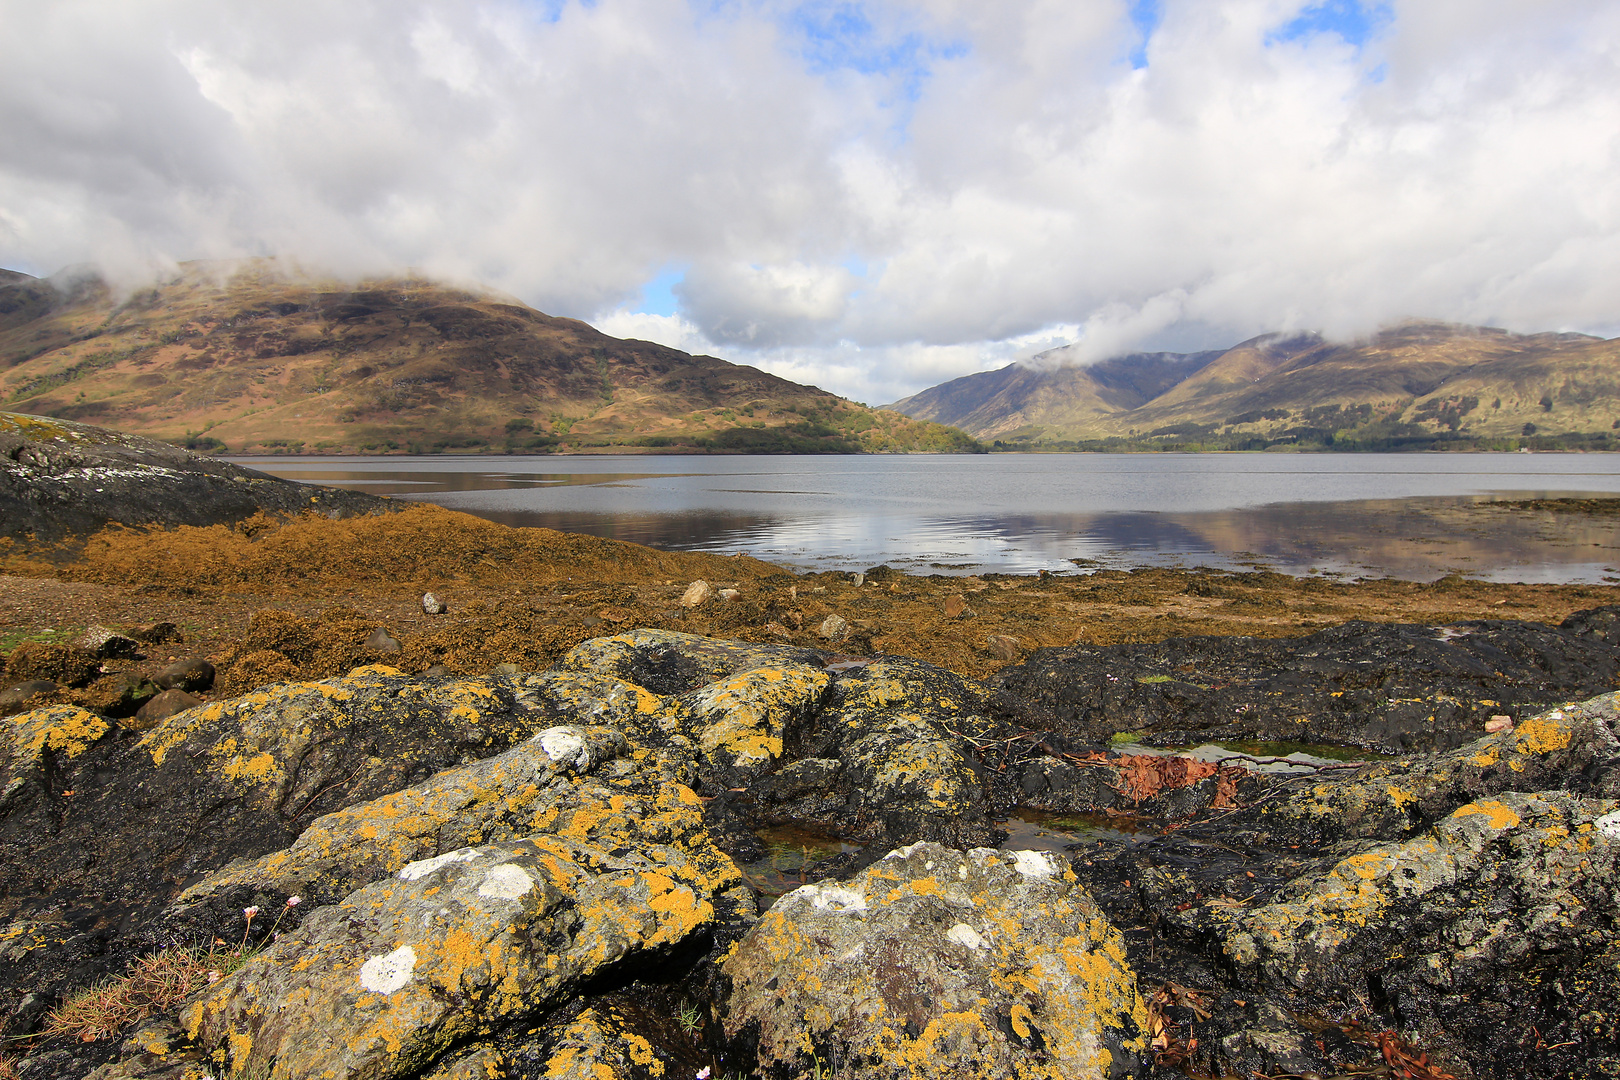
(557, 873)
(1384, 686)
(59, 478)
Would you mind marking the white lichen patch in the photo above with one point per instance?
(826, 898)
(1033, 864)
(965, 935)
(565, 745)
(389, 973)
(421, 868)
(507, 881)
(1609, 825)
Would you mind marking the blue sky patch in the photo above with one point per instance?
(1145, 16)
(658, 295)
(839, 35)
(1353, 20)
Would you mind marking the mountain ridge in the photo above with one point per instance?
(257, 357)
(1409, 385)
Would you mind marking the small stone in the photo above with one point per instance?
(160, 633)
(381, 641)
(437, 671)
(432, 605)
(1498, 723)
(1004, 647)
(833, 627)
(108, 644)
(15, 699)
(729, 594)
(192, 675)
(954, 606)
(696, 593)
(160, 708)
(504, 668)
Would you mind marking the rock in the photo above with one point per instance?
(1004, 647)
(474, 939)
(120, 694)
(933, 963)
(833, 628)
(243, 777)
(729, 595)
(695, 594)
(1395, 687)
(955, 606)
(105, 644)
(1471, 916)
(1498, 723)
(161, 707)
(1445, 889)
(159, 633)
(576, 781)
(740, 723)
(191, 674)
(504, 668)
(62, 664)
(15, 699)
(381, 641)
(432, 605)
(59, 478)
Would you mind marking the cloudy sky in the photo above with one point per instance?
(871, 196)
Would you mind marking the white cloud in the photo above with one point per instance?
(867, 208)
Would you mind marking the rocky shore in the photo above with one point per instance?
(556, 873)
(619, 813)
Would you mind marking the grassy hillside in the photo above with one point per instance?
(1414, 386)
(252, 357)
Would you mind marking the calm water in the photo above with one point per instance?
(1405, 515)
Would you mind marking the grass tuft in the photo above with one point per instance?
(153, 984)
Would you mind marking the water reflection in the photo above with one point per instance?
(1416, 516)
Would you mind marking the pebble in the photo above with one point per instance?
(696, 593)
(383, 642)
(833, 627)
(432, 605)
(1004, 647)
(729, 594)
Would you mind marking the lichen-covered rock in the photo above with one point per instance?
(667, 662)
(1573, 747)
(1470, 899)
(932, 963)
(897, 726)
(741, 721)
(1505, 913)
(100, 827)
(572, 781)
(401, 971)
(596, 1046)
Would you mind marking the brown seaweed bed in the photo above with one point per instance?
(526, 596)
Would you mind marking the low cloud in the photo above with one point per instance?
(868, 196)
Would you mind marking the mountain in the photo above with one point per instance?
(258, 357)
(1414, 385)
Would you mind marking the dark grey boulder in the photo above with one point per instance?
(161, 707)
(191, 674)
